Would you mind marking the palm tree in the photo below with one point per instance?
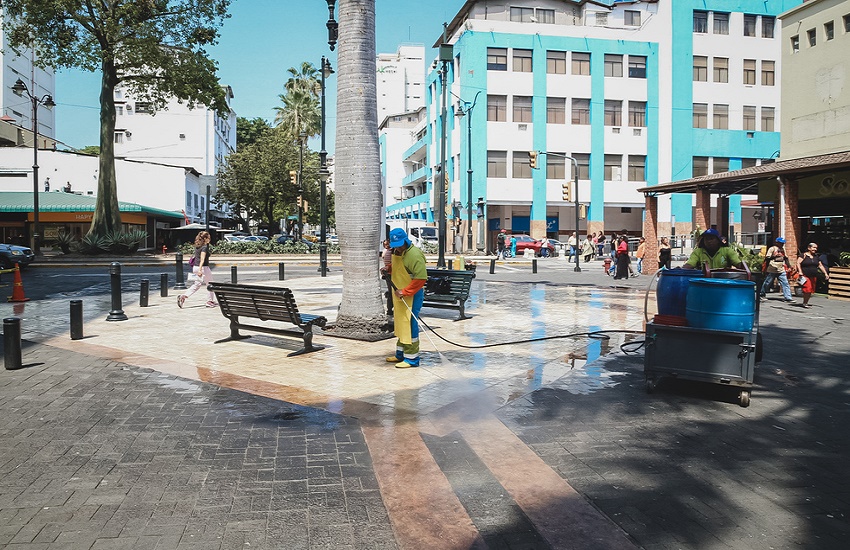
(357, 171)
(300, 114)
(305, 79)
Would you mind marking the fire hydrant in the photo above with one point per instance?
(607, 263)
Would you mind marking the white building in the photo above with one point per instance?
(400, 80)
(396, 133)
(636, 92)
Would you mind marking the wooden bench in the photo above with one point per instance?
(266, 304)
(456, 295)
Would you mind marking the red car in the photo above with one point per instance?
(524, 241)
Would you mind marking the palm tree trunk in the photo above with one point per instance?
(357, 177)
(107, 216)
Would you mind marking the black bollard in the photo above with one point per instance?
(180, 283)
(76, 319)
(12, 343)
(451, 263)
(534, 265)
(280, 273)
(492, 266)
(163, 285)
(117, 314)
(233, 277)
(143, 293)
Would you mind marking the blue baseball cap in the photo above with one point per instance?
(398, 237)
(780, 240)
(712, 232)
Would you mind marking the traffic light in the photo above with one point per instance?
(582, 211)
(568, 193)
(293, 176)
(298, 201)
(532, 159)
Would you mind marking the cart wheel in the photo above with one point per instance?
(650, 385)
(744, 399)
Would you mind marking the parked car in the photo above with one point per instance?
(524, 241)
(11, 254)
(283, 239)
(255, 238)
(332, 239)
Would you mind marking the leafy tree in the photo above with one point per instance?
(248, 131)
(92, 150)
(156, 48)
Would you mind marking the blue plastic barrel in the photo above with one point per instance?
(721, 304)
(673, 290)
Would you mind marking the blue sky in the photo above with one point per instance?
(261, 40)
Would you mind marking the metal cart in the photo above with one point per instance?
(704, 355)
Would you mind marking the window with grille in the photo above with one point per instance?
(767, 118)
(749, 117)
(522, 15)
(701, 22)
(601, 19)
(556, 110)
(522, 109)
(637, 168)
(750, 24)
(768, 73)
(556, 167)
(637, 66)
(721, 117)
(497, 108)
(721, 69)
(700, 115)
(522, 61)
(556, 62)
(613, 65)
(497, 164)
(767, 26)
(613, 112)
(581, 111)
(521, 165)
(583, 163)
(721, 23)
(700, 166)
(143, 107)
(749, 72)
(545, 16)
(700, 68)
(637, 114)
(119, 137)
(497, 59)
(631, 18)
(613, 168)
(581, 63)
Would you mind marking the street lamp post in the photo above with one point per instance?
(446, 57)
(574, 197)
(467, 110)
(302, 137)
(326, 70)
(20, 89)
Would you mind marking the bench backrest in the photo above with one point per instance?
(460, 280)
(261, 302)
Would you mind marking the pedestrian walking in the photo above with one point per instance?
(600, 244)
(500, 245)
(665, 253)
(573, 243)
(409, 276)
(544, 247)
(623, 259)
(201, 270)
(513, 246)
(777, 261)
(809, 264)
(640, 253)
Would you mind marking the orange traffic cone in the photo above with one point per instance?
(18, 287)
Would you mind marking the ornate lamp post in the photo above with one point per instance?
(20, 89)
(466, 109)
(327, 71)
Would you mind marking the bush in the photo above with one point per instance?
(115, 242)
(66, 242)
(92, 244)
(844, 259)
(256, 247)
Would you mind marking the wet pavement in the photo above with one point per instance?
(147, 433)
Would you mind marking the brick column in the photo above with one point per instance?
(723, 215)
(702, 215)
(650, 233)
(793, 232)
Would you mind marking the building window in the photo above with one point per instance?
(522, 109)
(497, 59)
(119, 137)
(700, 115)
(581, 63)
(637, 66)
(613, 65)
(846, 19)
(631, 18)
(721, 117)
(767, 25)
(637, 168)
(748, 163)
(583, 163)
(813, 38)
(749, 72)
(829, 30)
(556, 167)
(545, 16)
(795, 44)
(497, 164)
(701, 22)
(601, 19)
(556, 62)
(749, 117)
(750, 24)
(721, 69)
(767, 117)
(521, 165)
(613, 168)
(143, 108)
(188, 200)
(721, 23)
(556, 110)
(119, 109)
(497, 108)
(613, 112)
(700, 68)
(700, 167)
(522, 15)
(637, 114)
(720, 164)
(522, 61)
(581, 111)
(768, 74)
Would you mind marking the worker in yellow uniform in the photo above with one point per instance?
(712, 254)
(409, 275)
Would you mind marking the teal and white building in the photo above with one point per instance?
(639, 93)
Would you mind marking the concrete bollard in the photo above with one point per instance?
(180, 280)
(163, 285)
(143, 293)
(12, 343)
(280, 271)
(76, 319)
(116, 314)
(233, 277)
